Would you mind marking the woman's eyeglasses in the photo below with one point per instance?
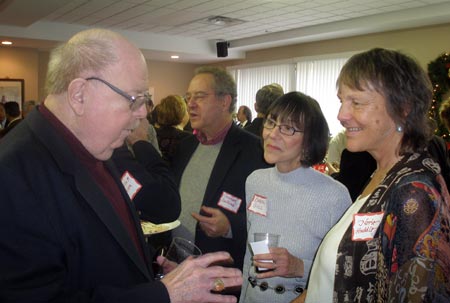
(284, 128)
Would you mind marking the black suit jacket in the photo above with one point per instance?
(61, 239)
(240, 155)
(255, 127)
(9, 127)
(158, 200)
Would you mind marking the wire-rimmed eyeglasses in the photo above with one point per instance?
(284, 128)
(135, 101)
(195, 97)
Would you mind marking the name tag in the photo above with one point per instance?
(132, 186)
(258, 205)
(365, 226)
(229, 202)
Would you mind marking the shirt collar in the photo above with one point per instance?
(75, 144)
(201, 137)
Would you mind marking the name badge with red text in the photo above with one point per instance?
(365, 226)
(258, 205)
(229, 202)
(132, 186)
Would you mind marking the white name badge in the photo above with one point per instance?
(366, 225)
(258, 205)
(229, 202)
(132, 186)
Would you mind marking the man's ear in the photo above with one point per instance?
(226, 99)
(76, 95)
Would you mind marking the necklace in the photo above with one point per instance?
(381, 173)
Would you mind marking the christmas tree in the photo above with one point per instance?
(439, 73)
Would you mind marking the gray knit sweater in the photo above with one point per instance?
(302, 206)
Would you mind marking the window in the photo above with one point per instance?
(249, 80)
(315, 77)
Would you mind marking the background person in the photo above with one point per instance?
(13, 117)
(151, 185)
(171, 113)
(265, 96)
(2, 116)
(295, 198)
(69, 231)
(392, 245)
(28, 107)
(244, 116)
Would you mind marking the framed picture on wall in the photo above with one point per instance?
(12, 90)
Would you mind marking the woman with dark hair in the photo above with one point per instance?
(393, 243)
(290, 199)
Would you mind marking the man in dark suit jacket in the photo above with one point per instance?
(244, 116)
(13, 117)
(212, 167)
(263, 99)
(68, 230)
(152, 188)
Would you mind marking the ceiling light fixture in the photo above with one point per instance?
(175, 57)
(7, 42)
(222, 21)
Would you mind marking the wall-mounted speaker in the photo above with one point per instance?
(222, 48)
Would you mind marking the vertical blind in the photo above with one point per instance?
(314, 77)
(249, 80)
(317, 78)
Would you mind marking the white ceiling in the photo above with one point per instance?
(165, 27)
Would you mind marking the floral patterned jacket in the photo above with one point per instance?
(408, 259)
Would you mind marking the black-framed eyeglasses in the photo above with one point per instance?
(135, 101)
(284, 128)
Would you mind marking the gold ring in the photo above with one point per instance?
(218, 285)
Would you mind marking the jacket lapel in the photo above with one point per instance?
(227, 155)
(99, 203)
(86, 187)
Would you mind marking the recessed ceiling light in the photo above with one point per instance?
(175, 57)
(7, 42)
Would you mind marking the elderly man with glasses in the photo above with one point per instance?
(212, 166)
(69, 230)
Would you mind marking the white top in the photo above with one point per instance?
(321, 278)
(336, 146)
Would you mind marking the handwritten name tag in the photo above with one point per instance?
(365, 226)
(229, 202)
(132, 186)
(258, 205)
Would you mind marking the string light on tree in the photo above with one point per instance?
(439, 73)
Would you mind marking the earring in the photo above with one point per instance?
(399, 128)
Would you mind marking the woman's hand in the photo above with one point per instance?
(284, 264)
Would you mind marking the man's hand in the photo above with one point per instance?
(192, 280)
(214, 225)
(140, 133)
